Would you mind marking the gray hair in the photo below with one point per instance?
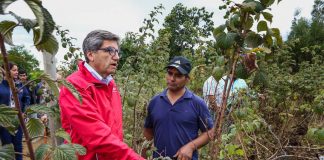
(94, 41)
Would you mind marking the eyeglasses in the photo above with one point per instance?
(111, 50)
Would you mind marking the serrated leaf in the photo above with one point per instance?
(35, 127)
(28, 24)
(224, 40)
(51, 83)
(267, 16)
(49, 45)
(7, 152)
(40, 109)
(64, 152)
(79, 149)
(43, 152)
(262, 26)
(253, 39)
(7, 117)
(4, 4)
(61, 133)
(44, 21)
(6, 28)
(71, 88)
(218, 30)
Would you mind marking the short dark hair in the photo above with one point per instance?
(22, 71)
(94, 40)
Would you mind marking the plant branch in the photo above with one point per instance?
(15, 97)
(29, 82)
(283, 156)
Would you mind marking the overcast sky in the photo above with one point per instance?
(121, 16)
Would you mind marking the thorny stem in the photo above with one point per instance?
(15, 97)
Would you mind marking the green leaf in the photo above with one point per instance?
(224, 40)
(40, 109)
(253, 39)
(267, 16)
(51, 83)
(248, 6)
(234, 22)
(4, 4)
(72, 89)
(267, 3)
(252, 6)
(79, 149)
(7, 152)
(49, 45)
(268, 41)
(64, 152)
(43, 151)
(239, 152)
(241, 71)
(35, 127)
(6, 28)
(217, 73)
(248, 24)
(61, 133)
(28, 24)
(262, 26)
(7, 117)
(260, 79)
(218, 30)
(276, 34)
(320, 135)
(44, 20)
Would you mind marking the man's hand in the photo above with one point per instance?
(185, 152)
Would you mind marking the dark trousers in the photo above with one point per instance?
(16, 140)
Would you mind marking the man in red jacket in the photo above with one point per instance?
(96, 123)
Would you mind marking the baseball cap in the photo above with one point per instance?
(181, 63)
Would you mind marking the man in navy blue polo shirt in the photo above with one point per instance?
(176, 115)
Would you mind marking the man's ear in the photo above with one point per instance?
(90, 56)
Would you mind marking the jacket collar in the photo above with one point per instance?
(88, 75)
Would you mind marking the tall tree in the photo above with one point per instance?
(188, 28)
(23, 58)
(306, 33)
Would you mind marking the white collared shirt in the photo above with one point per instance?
(97, 75)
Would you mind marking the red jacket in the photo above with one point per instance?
(96, 124)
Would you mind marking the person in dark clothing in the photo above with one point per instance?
(176, 115)
(6, 98)
(23, 78)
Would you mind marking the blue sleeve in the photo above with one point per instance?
(205, 119)
(25, 99)
(148, 120)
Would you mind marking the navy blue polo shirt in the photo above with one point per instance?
(176, 125)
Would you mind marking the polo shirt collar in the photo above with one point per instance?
(186, 95)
